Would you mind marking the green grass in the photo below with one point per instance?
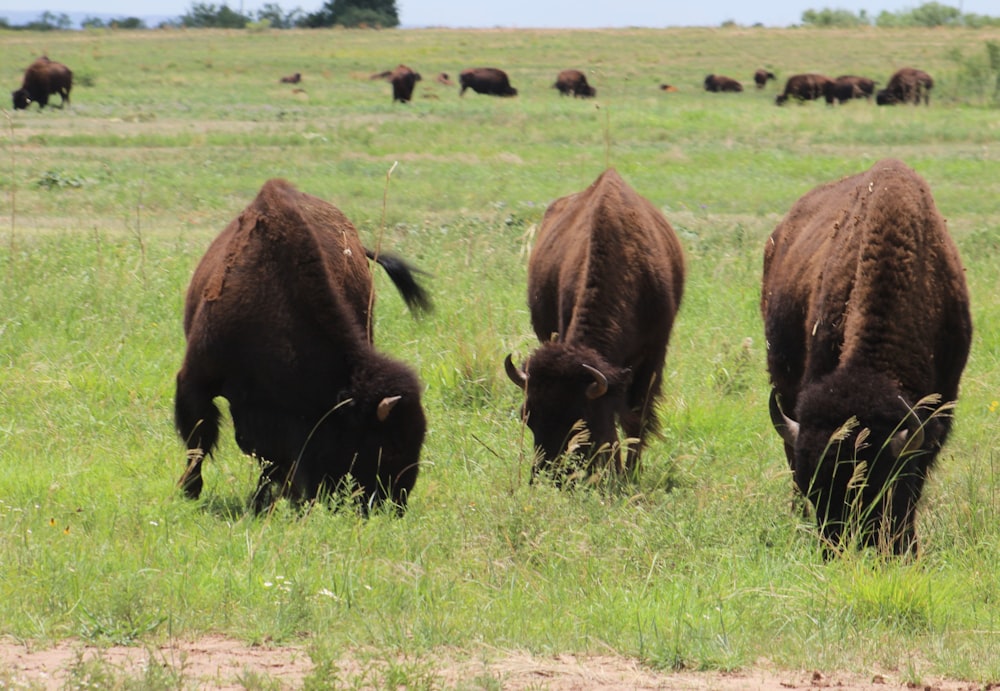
(702, 564)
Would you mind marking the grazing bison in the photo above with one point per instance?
(717, 83)
(803, 87)
(865, 85)
(277, 322)
(838, 91)
(907, 85)
(42, 78)
(292, 78)
(668, 88)
(866, 315)
(574, 82)
(486, 80)
(605, 281)
(760, 78)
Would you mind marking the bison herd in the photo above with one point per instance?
(863, 299)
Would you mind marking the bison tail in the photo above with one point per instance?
(402, 275)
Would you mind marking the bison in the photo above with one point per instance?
(907, 85)
(443, 78)
(42, 78)
(761, 76)
(718, 83)
(277, 322)
(403, 80)
(865, 85)
(292, 78)
(669, 88)
(486, 80)
(605, 280)
(866, 316)
(803, 87)
(574, 82)
(841, 91)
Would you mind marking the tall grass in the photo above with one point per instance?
(700, 564)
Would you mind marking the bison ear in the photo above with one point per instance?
(785, 426)
(518, 376)
(386, 405)
(599, 386)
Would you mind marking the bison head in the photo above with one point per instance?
(21, 98)
(571, 397)
(860, 455)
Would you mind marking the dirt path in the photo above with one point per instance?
(220, 663)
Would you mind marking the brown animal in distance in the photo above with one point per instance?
(717, 83)
(489, 81)
(574, 82)
(804, 87)
(277, 322)
(761, 76)
(866, 318)
(605, 281)
(292, 78)
(403, 80)
(42, 78)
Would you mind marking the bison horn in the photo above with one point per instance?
(786, 426)
(516, 375)
(599, 387)
(902, 443)
(385, 407)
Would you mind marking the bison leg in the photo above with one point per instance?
(197, 421)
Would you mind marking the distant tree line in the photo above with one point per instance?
(348, 13)
(930, 14)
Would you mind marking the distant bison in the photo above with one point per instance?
(668, 88)
(719, 83)
(804, 87)
(841, 91)
(403, 80)
(605, 281)
(760, 78)
(42, 78)
(907, 85)
(277, 322)
(486, 80)
(866, 316)
(865, 85)
(443, 78)
(292, 78)
(574, 82)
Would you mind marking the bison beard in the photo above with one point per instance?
(277, 322)
(605, 281)
(866, 315)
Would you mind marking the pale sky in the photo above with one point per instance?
(526, 13)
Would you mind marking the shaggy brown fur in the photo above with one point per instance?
(866, 312)
(803, 87)
(605, 280)
(276, 320)
(574, 82)
(42, 78)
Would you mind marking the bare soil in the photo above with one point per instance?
(221, 663)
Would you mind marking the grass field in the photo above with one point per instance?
(701, 564)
